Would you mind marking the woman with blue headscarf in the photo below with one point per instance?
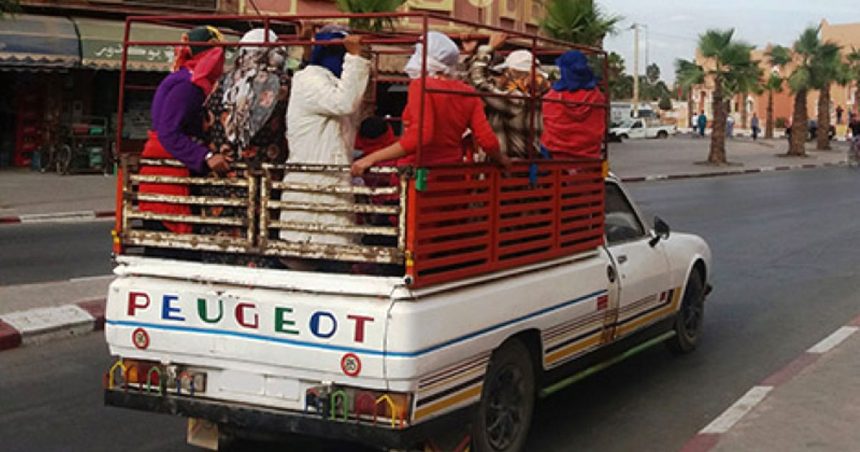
(322, 119)
(574, 111)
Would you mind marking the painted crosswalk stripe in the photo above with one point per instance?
(738, 410)
(829, 342)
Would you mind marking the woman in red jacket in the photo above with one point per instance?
(446, 116)
(574, 111)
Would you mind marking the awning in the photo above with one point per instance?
(32, 42)
(101, 45)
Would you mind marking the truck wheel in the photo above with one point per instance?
(689, 320)
(623, 137)
(504, 414)
(662, 135)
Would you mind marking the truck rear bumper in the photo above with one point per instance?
(261, 422)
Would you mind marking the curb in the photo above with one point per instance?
(764, 169)
(58, 217)
(40, 325)
(709, 436)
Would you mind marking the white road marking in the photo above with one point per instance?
(829, 342)
(58, 217)
(91, 278)
(739, 409)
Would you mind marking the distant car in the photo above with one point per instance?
(812, 129)
(639, 128)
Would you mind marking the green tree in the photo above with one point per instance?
(778, 57)
(828, 69)
(687, 75)
(370, 6)
(801, 80)
(853, 59)
(9, 7)
(652, 73)
(577, 21)
(665, 103)
(732, 70)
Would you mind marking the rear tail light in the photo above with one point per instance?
(151, 376)
(355, 404)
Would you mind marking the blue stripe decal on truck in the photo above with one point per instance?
(338, 348)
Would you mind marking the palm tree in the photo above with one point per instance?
(778, 57)
(578, 21)
(370, 6)
(801, 81)
(853, 58)
(688, 75)
(733, 70)
(828, 68)
(772, 85)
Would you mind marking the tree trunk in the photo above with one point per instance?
(718, 131)
(797, 145)
(743, 109)
(768, 128)
(823, 131)
(856, 98)
(690, 107)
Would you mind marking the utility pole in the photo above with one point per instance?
(635, 28)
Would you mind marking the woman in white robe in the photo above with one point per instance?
(322, 118)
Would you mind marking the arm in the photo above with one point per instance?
(185, 101)
(390, 152)
(484, 135)
(479, 77)
(342, 98)
(409, 141)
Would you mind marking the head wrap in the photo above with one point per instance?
(206, 63)
(442, 56)
(251, 88)
(575, 72)
(329, 57)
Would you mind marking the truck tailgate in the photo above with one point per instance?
(265, 331)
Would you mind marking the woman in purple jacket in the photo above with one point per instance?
(177, 122)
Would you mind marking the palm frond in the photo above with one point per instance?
(688, 73)
(779, 56)
(578, 21)
(370, 6)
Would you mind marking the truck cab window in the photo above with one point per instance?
(621, 224)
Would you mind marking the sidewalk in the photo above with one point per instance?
(682, 156)
(813, 403)
(27, 195)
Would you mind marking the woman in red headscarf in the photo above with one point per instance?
(177, 123)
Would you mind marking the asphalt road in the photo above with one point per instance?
(31, 253)
(785, 276)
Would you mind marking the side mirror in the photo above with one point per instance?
(661, 231)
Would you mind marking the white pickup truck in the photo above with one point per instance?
(373, 359)
(640, 128)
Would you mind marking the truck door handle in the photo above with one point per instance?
(622, 259)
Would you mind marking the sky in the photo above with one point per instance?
(673, 25)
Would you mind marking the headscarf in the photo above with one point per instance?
(442, 56)
(205, 63)
(329, 57)
(252, 87)
(575, 72)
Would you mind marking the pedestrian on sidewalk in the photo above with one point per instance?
(754, 125)
(702, 122)
(730, 127)
(839, 112)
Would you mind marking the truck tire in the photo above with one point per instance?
(503, 416)
(690, 317)
(623, 137)
(662, 135)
